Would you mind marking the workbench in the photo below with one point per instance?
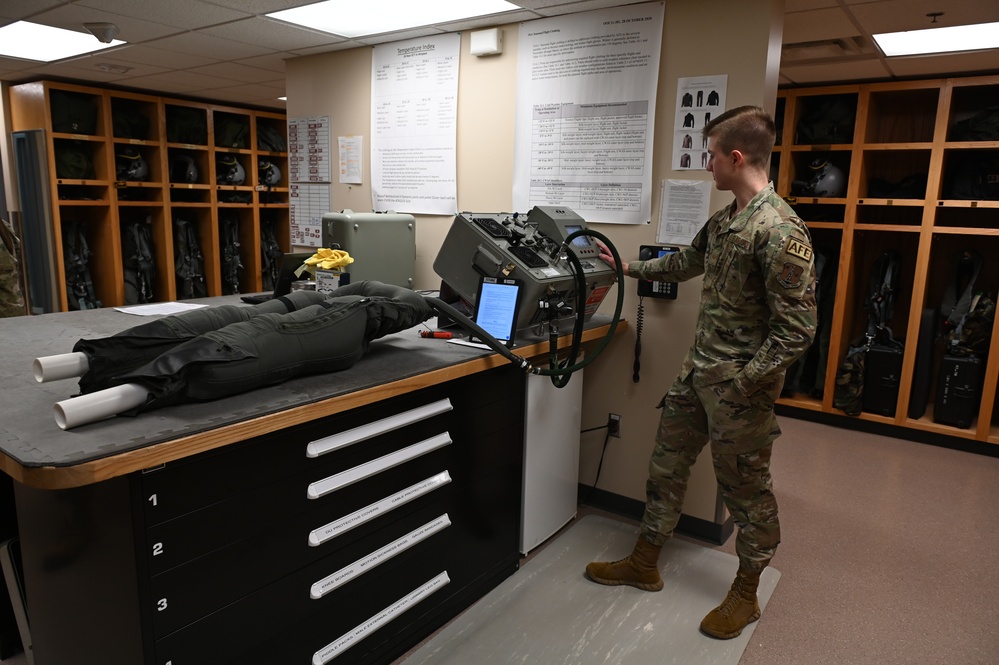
(331, 518)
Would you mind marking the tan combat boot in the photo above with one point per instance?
(739, 609)
(639, 569)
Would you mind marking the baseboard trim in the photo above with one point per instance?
(693, 527)
(893, 431)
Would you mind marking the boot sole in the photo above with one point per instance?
(638, 585)
(736, 633)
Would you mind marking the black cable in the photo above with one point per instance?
(639, 321)
(600, 465)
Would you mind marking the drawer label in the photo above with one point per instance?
(349, 639)
(344, 524)
(377, 428)
(374, 467)
(378, 557)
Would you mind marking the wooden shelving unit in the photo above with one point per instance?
(901, 130)
(104, 201)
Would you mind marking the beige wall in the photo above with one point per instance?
(740, 38)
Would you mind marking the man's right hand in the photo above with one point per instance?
(608, 258)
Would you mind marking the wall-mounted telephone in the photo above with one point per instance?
(654, 288)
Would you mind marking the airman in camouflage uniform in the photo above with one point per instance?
(11, 298)
(757, 316)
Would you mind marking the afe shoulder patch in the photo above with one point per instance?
(798, 248)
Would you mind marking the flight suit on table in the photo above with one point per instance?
(757, 316)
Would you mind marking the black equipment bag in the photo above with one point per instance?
(231, 265)
(271, 254)
(882, 379)
(76, 260)
(137, 261)
(270, 139)
(73, 112)
(983, 126)
(73, 161)
(128, 121)
(231, 132)
(189, 264)
(827, 120)
(186, 125)
(922, 375)
(958, 391)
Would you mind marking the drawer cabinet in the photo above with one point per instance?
(358, 533)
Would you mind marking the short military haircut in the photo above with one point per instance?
(748, 129)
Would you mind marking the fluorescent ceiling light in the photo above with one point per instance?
(357, 18)
(940, 40)
(31, 41)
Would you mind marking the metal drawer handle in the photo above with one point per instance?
(372, 511)
(363, 629)
(378, 557)
(350, 437)
(376, 466)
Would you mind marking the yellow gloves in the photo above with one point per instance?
(329, 259)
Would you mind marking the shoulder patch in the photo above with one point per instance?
(790, 275)
(798, 248)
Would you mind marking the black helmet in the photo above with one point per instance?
(268, 173)
(129, 164)
(228, 171)
(183, 169)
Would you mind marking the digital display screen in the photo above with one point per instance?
(496, 308)
(579, 241)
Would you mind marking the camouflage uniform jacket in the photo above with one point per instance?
(757, 313)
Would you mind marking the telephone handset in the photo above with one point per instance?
(653, 288)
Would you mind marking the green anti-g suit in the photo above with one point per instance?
(757, 316)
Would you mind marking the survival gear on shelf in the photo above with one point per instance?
(968, 316)
(189, 264)
(137, 261)
(868, 378)
(231, 265)
(76, 260)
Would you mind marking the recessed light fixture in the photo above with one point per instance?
(350, 18)
(113, 69)
(940, 40)
(32, 41)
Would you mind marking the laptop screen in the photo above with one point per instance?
(289, 264)
(496, 307)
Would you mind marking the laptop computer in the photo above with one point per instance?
(497, 304)
(282, 287)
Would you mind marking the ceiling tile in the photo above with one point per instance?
(272, 34)
(272, 61)
(977, 62)
(153, 55)
(209, 46)
(238, 72)
(72, 17)
(400, 36)
(817, 25)
(898, 15)
(836, 72)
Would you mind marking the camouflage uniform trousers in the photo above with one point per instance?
(741, 431)
(11, 298)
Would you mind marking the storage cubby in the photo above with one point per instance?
(916, 186)
(970, 175)
(968, 103)
(114, 154)
(902, 116)
(825, 119)
(234, 253)
(894, 174)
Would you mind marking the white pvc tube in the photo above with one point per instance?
(62, 366)
(95, 406)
